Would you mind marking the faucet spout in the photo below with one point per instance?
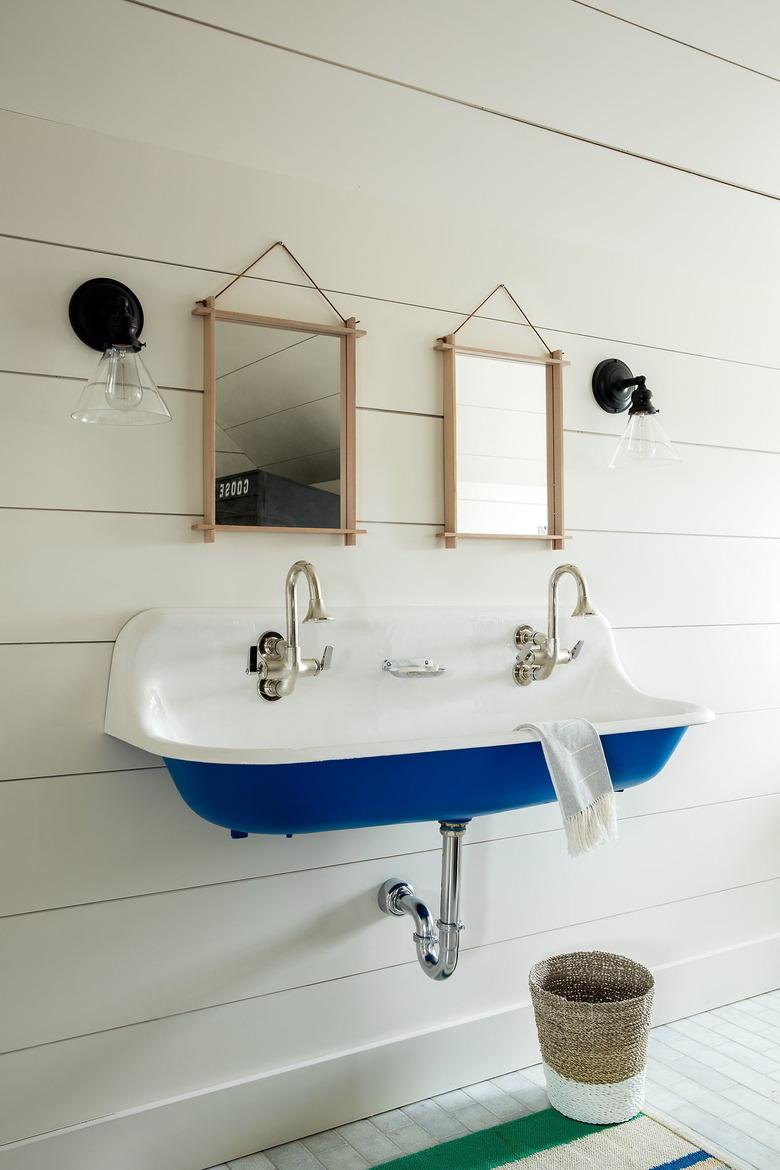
(583, 608)
(316, 612)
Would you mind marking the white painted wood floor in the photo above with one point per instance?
(718, 1073)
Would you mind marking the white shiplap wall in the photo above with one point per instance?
(171, 998)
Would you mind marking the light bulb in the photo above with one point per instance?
(123, 379)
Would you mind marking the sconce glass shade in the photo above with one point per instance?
(644, 441)
(121, 392)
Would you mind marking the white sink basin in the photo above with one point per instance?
(358, 746)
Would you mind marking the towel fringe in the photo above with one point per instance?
(592, 826)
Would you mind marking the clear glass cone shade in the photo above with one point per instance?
(121, 392)
(644, 441)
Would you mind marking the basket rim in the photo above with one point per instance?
(536, 987)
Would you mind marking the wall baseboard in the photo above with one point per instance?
(229, 1120)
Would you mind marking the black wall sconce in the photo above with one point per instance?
(644, 440)
(106, 315)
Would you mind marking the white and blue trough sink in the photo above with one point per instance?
(358, 746)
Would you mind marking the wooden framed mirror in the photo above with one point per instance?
(278, 424)
(503, 444)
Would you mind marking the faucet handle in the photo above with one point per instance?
(525, 636)
(523, 672)
(576, 649)
(325, 661)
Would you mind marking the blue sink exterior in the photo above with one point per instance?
(283, 799)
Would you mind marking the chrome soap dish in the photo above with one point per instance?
(413, 667)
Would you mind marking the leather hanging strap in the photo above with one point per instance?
(296, 261)
(519, 308)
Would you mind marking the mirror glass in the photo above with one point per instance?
(278, 436)
(501, 412)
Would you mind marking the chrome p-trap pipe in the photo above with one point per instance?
(437, 953)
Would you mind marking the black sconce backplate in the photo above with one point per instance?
(95, 303)
(608, 390)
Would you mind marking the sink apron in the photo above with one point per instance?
(456, 785)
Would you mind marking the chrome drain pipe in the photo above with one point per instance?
(436, 953)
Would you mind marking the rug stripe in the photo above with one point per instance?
(689, 1160)
(640, 1144)
(495, 1147)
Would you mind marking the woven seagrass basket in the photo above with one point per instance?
(592, 1013)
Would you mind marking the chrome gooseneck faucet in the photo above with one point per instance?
(278, 660)
(541, 653)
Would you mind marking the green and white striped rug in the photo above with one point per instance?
(550, 1141)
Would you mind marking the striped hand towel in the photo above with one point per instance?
(581, 780)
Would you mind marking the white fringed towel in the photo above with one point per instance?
(581, 780)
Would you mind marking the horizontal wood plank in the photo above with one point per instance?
(99, 586)
(678, 115)
(141, 1064)
(255, 945)
(397, 369)
(491, 207)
